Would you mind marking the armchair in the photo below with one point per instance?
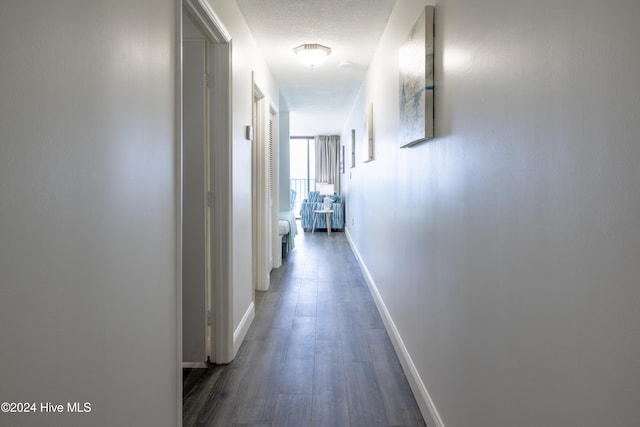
(316, 201)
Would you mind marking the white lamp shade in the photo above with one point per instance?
(326, 189)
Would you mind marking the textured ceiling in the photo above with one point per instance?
(319, 98)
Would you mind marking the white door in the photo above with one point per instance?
(196, 277)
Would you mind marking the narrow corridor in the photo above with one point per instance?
(317, 353)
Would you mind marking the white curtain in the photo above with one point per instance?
(327, 159)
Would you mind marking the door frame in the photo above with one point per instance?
(220, 181)
(264, 191)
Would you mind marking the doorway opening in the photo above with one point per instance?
(264, 180)
(204, 187)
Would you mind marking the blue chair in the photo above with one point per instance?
(316, 201)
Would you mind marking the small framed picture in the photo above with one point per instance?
(353, 148)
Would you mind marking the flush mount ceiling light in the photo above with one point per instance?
(312, 54)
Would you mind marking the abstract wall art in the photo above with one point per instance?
(416, 82)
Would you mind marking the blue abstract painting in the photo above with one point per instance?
(416, 82)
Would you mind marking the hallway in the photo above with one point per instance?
(317, 353)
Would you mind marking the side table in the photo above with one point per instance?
(328, 213)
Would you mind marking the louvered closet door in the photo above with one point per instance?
(269, 159)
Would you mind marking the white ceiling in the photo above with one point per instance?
(319, 99)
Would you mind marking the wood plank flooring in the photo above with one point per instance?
(317, 353)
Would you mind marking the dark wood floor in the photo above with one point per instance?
(317, 353)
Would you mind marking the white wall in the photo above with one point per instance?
(87, 218)
(246, 58)
(506, 250)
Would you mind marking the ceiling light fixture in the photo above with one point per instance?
(312, 54)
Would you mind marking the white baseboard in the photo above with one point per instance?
(189, 365)
(243, 328)
(425, 403)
